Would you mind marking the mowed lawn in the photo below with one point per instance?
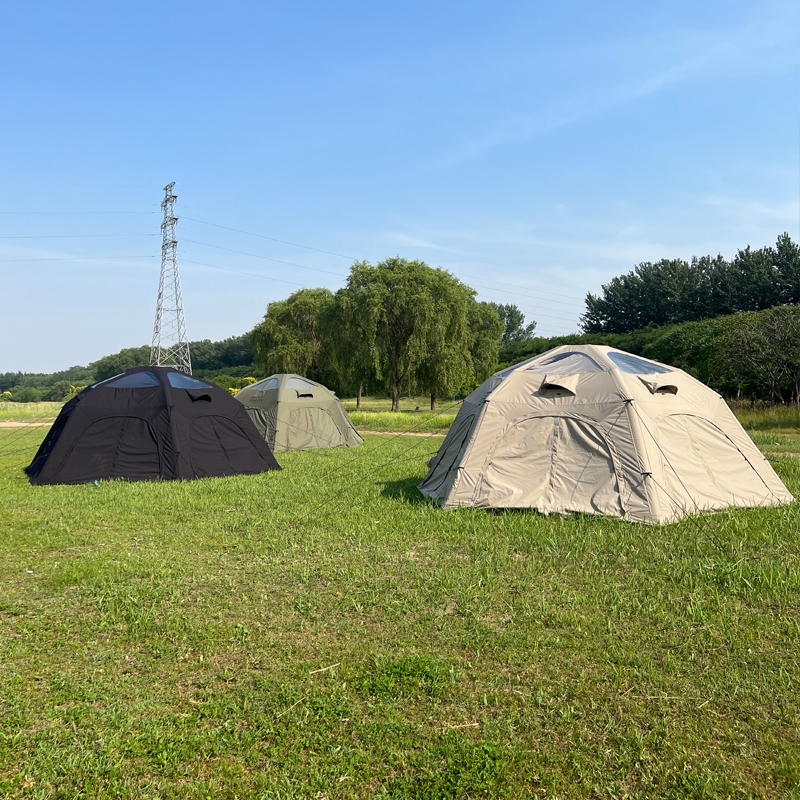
(325, 632)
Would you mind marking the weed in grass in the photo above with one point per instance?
(407, 676)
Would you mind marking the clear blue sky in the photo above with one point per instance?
(534, 149)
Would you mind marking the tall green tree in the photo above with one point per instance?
(291, 336)
(129, 357)
(403, 313)
(352, 359)
(672, 291)
(514, 327)
(446, 366)
(486, 333)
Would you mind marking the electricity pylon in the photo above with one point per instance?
(170, 347)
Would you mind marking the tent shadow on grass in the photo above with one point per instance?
(405, 490)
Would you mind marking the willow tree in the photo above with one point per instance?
(291, 337)
(486, 332)
(347, 345)
(446, 366)
(410, 319)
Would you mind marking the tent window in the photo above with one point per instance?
(299, 385)
(100, 383)
(566, 364)
(636, 366)
(265, 386)
(136, 380)
(179, 380)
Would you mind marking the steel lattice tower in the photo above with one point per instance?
(170, 347)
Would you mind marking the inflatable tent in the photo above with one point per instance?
(596, 430)
(150, 423)
(294, 413)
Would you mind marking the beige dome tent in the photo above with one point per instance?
(596, 430)
(295, 413)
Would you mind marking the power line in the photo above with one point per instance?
(340, 275)
(354, 258)
(31, 213)
(265, 258)
(513, 286)
(242, 272)
(69, 258)
(271, 238)
(517, 293)
(281, 241)
(79, 236)
(304, 285)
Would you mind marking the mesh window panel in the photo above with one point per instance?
(180, 380)
(136, 380)
(566, 364)
(300, 385)
(265, 386)
(636, 366)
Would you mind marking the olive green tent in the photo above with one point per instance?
(295, 413)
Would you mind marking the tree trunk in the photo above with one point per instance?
(433, 402)
(395, 398)
(358, 396)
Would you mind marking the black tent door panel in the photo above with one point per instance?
(219, 447)
(47, 446)
(114, 447)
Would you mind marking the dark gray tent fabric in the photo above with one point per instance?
(295, 413)
(150, 423)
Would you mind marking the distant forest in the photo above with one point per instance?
(226, 363)
(735, 325)
(672, 291)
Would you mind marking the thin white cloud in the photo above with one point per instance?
(780, 212)
(767, 42)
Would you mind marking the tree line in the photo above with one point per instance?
(753, 355)
(671, 291)
(396, 326)
(225, 362)
(401, 326)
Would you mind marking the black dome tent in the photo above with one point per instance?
(150, 423)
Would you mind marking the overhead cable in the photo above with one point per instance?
(31, 213)
(264, 258)
(70, 258)
(242, 272)
(80, 236)
(355, 258)
(270, 238)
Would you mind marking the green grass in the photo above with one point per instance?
(408, 405)
(27, 412)
(420, 421)
(761, 416)
(271, 637)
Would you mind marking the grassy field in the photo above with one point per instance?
(28, 412)
(324, 632)
(408, 405)
(420, 421)
(760, 416)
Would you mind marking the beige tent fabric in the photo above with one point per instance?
(295, 413)
(585, 428)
